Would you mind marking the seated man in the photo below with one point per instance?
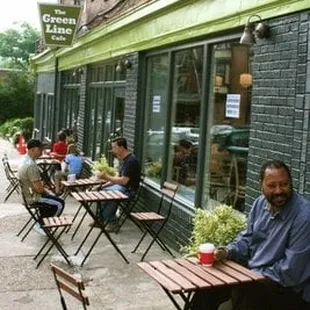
(72, 164)
(276, 244)
(127, 181)
(31, 183)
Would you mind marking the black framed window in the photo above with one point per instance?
(105, 107)
(183, 114)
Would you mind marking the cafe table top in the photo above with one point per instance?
(188, 275)
(83, 182)
(93, 196)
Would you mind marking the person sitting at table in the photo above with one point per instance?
(126, 182)
(32, 185)
(275, 244)
(72, 164)
(59, 149)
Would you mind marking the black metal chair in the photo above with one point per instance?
(71, 285)
(53, 227)
(153, 223)
(128, 206)
(11, 177)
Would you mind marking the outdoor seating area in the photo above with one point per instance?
(79, 255)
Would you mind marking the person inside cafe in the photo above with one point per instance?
(32, 185)
(275, 244)
(127, 182)
(72, 164)
(182, 160)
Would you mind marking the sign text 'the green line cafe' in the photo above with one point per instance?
(59, 23)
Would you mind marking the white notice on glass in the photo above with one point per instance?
(233, 105)
(156, 104)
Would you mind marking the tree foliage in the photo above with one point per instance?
(16, 44)
(16, 96)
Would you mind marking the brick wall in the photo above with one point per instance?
(131, 99)
(280, 102)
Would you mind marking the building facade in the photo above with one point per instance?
(197, 107)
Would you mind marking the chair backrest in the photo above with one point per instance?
(33, 209)
(70, 284)
(7, 168)
(168, 192)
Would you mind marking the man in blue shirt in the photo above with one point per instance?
(276, 244)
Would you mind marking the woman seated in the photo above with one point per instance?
(72, 164)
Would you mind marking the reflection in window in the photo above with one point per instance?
(156, 109)
(184, 111)
(229, 124)
(186, 101)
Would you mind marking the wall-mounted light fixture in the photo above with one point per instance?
(246, 80)
(76, 71)
(122, 65)
(261, 31)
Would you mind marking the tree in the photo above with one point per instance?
(16, 45)
(16, 96)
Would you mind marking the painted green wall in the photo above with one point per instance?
(158, 24)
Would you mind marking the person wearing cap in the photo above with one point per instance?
(32, 185)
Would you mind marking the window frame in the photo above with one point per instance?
(204, 125)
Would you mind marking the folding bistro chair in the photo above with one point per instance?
(53, 227)
(11, 177)
(70, 284)
(128, 206)
(153, 222)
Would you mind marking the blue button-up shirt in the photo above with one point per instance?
(277, 245)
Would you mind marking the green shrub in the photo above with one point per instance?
(26, 127)
(13, 128)
(153, 169)
(102, 165)
(219, 226)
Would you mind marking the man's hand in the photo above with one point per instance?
(220, 254)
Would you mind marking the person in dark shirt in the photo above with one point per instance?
(126, 182)
(275, 244)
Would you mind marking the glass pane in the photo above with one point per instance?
(91, 125)
(186, 102)
(107, 114)
(156, 101)
(99, 122)
(229, 121)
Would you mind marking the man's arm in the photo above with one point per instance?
(122, 180)
(38, 187)
(238, 250)
(293, 268)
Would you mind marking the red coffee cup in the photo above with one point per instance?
(206, 254)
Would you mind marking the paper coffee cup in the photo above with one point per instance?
(71, 178)
(206, 254)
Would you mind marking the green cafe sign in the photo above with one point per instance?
(59, 23)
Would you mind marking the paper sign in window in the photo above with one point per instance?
(233, 106)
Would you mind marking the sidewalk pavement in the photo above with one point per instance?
(111, 283)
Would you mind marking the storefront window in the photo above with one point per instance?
(156, 115)
(186, 102)
(229, 124)
(106, 108)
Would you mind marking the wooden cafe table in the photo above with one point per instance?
(185, 276)
(45, 166)
(86, 199)
(80, 185)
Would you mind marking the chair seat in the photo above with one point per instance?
(147, 216)
(52, 222)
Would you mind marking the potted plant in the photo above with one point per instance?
(218, 226)
(102, 165)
